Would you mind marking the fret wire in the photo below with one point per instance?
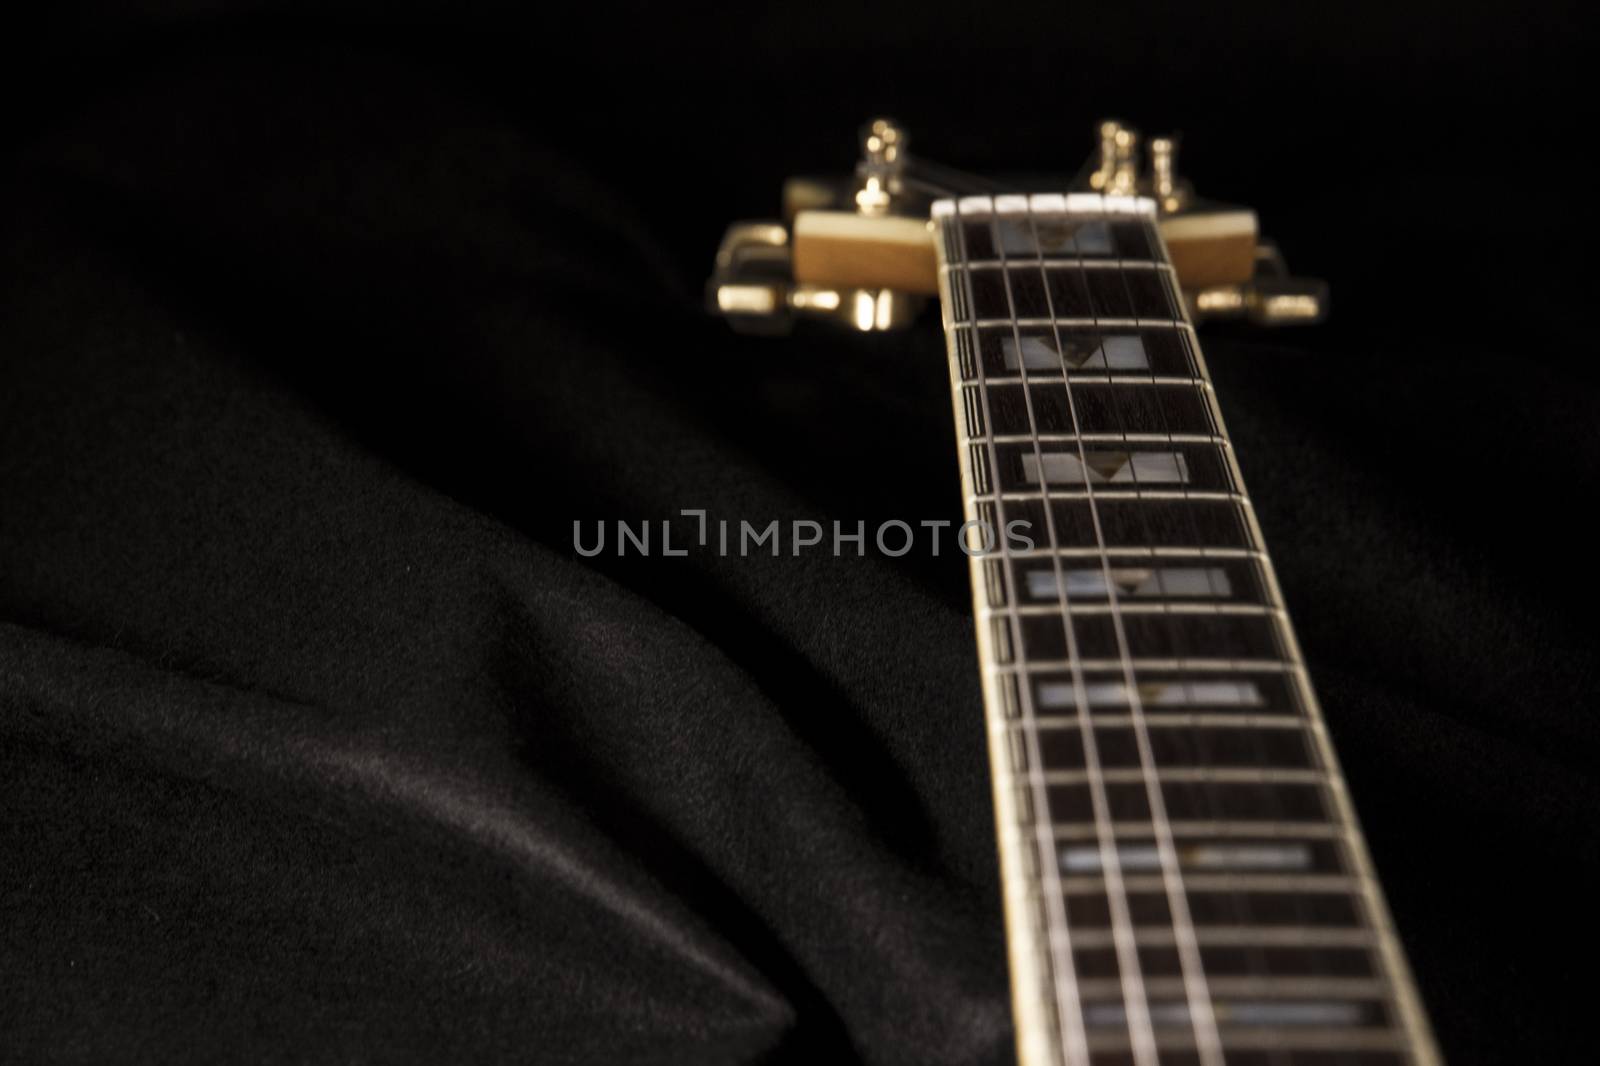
(1184, 720)
(1105, 665)
(1267, 936)
(1084, 884)
(1149, 607)
(1322, 988)
(1108, 264)
(1123, 380)
(1109, 438)
(1188, 827)
(1129, 494)
(1063, 264)
(1074, 323)
(1068, 263)
(1070, 1024)
(1085, 323)
(1196, 993)
(1275, 1039)
(1142, 552)
(1177, 774)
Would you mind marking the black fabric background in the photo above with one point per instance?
(318, 330)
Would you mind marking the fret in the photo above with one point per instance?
(1250, 989)
(1182, 719)
(1174, 834)
(1351, 1045)
(1140, 666)
(1263, 1057)
(1135, 553)
(1154, 929)
(1202, 881)
(1049, 263)
(1023, 467)
(1135, 773)
(1059, 495)
(1129, 801)
(1270, 1056)
(1096, 604)
(1238, 960)
(1064, 325)
(1136, 293)
(1143, 408)
(1227, 917)
(1007, 349)
(1159, 635)
(1111, 438)
(1131, 380)
(1180, 744)
(1057, 239)
(1176, 522)
(1233, 827)
(1099, 407)
(1164, 692)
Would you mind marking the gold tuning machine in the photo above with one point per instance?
(755, 284)
(1227, 270)
(858, 251)
(752, 286)
(1270, 298)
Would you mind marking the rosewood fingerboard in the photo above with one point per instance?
(1184, 878)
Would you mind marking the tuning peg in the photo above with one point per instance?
(883, 158)
(1171, 194)
(1117, 169)
(1270, 298)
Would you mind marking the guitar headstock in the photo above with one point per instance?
(859, 250)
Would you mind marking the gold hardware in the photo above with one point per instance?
(1270, 298)
(753, 288)
(859, 251)
(1116, 171)
(1125, 164)
(883, 145)
(1171, 195)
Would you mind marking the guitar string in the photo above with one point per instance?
(1184, 334)
(1281, 632)
(1136, 1014)
(1070, 1024)
(1190, 740)
(1183, 508)
(1195, 743)
(1304, 729)
(1119, 907)
(1196, 991)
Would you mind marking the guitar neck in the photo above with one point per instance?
(1184, 878)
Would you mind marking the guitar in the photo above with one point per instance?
(1183, 876)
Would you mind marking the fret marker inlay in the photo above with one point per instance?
(1107, 468)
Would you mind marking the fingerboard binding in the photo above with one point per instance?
(1183, 876)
